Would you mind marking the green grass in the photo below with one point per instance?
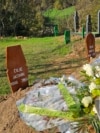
(40, 54)
(54, 13)
(43, 57)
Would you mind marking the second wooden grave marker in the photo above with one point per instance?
(90, 44)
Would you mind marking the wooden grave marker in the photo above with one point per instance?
(90, 46)
(17, 71)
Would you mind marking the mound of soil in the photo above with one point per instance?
(10, 121)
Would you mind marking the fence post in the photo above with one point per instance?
(83, 32)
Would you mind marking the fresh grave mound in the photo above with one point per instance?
(10, 119)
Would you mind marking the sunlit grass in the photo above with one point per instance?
(40, 54)
(54, 13)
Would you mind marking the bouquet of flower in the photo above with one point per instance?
(69, 100)
(88, 114)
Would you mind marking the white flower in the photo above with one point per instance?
(92, 86)
(97, 75)
(63, 78)
(97, 68)
(86, 101)
(88, 69)
(94, 109)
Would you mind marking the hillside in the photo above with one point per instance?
(30, 18)
(26, 18)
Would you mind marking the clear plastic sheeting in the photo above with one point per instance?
(96, 62)
(45, 94)
(49, 97)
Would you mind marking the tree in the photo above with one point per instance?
(58, 4)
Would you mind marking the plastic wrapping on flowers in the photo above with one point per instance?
(47, 98)
(64, 101)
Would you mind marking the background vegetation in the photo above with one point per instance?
(38, 17)
(26, 17)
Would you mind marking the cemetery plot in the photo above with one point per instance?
(17, 71)
(80, 30)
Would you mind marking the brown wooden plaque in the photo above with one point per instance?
(17, 71)
(90, 45)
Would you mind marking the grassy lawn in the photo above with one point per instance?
(40, 54)
(43, 57)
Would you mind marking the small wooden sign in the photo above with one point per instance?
(17, 71)
(90, 45)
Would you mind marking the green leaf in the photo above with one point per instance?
(97, 81)
(76, 109)
(96, 125)
(66, 95)
(45, 112)
(95, 92)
